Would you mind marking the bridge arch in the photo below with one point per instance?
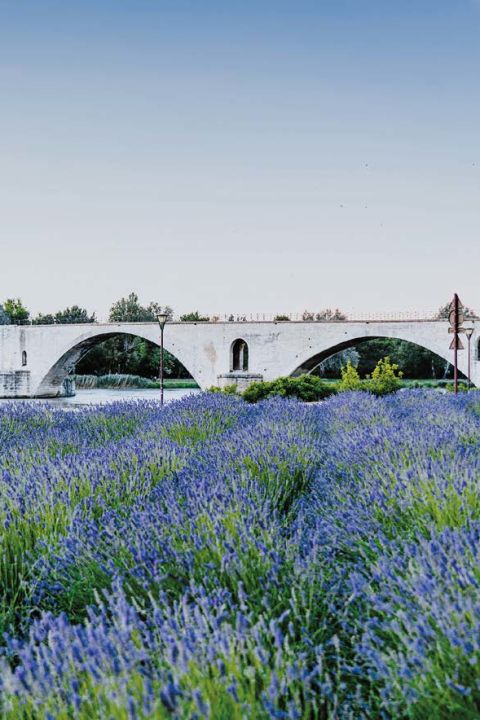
(52, 379)
(311, 360)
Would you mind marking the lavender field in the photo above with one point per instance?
(222, 560)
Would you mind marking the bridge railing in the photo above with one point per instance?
(352, 316)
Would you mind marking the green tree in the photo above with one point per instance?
(331, 367)
(444, 311)
(326, 315)
(16, 311)
(281, 318)
(129, 354)
(329, 315)
(68, 316)
(41, 319)
(74, 314)
(414, 360)
(129, 309)
(350, 378)
(4, 318)
(385, 379)
(194, 317)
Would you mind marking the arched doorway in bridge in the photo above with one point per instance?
(239, 356)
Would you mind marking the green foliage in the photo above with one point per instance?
(74, 314)
(129, 355)
(43, 319)
(4, 318)
(70, 315)
(227, 390)
(350, 378)
(129, 309)
(385, 378)
(433, 384)
(16, 311)
(462, 387)
(126, 355)
(281, 318)
(332, 366)
(306, 387)
(444, 310)
(116, 381)
(414, 361)
(325, 315)
(194, 317)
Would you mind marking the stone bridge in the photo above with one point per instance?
(35, 360)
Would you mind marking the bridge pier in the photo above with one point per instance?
(239, 379)
(15, 384)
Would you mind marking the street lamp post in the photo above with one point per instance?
(162, 319)
(469, 333)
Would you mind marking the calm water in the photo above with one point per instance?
(99, 397)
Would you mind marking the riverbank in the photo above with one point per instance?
(121, 382)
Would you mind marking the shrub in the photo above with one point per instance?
(194, 316)
(281, 318)
(228, 390)
(385, 378)
(350, 378)
(305, 387)
(462, 387)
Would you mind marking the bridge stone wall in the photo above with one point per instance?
(15, 384)
(275, 348)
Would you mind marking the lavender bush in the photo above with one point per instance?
(217, 559)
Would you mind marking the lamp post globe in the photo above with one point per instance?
(162, 319)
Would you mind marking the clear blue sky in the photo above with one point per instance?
(240, 156)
